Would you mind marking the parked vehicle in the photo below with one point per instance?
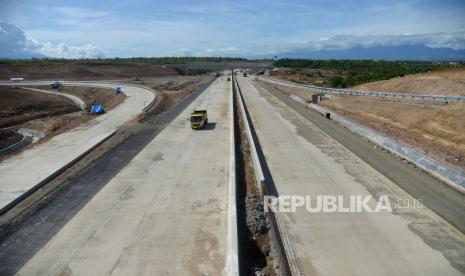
(118, 90)
(56, 85)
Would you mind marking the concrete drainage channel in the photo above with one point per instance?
(261, 246)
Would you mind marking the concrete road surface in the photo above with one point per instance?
(165, 213)
(27, 169)
(303, 160)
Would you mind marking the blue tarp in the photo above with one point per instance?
(97, 109)
(117, 90)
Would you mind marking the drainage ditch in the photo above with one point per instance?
(255, 252)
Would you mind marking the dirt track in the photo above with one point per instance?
(91, 95)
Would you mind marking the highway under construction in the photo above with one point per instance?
(171, 199)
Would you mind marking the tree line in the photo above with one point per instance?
(144, 60)
(355, 72)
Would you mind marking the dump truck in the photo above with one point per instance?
(199, 119)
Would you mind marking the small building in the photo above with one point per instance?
(316, 98)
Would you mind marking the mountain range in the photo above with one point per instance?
(402, 52)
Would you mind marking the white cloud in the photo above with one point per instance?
(226, 51)
(341, 42)
(15, 44)
(63, 50)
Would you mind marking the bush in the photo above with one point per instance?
(361, 71)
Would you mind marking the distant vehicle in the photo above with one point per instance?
(218, 75)
(55, 84)
(199, 119)
(229, 79)
(97, 109)
(16, 79)
(245, 74)
(118, 90)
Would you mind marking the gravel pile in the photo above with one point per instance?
(256, 218)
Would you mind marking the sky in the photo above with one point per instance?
(127, 28)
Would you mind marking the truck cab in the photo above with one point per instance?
(199, 119)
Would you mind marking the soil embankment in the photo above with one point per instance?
(18, 106)
(51, 114)
(83, 70)
(448, 82)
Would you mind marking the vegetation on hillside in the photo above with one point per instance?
(143, 60)
(355, 72)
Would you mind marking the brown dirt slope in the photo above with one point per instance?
(448, 81)
(83, 71)
(305, 75)
(18, 106)
(51, 114)
(91, 95)
(8, 138)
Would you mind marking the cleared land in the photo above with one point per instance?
(448, 81)
(8, 137)
(51, 114)
(83, 70)
(18, 106)
(170, 89)
(436, 129)
(319, 77)
(90, 95)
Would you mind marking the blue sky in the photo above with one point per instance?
(159, 28)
